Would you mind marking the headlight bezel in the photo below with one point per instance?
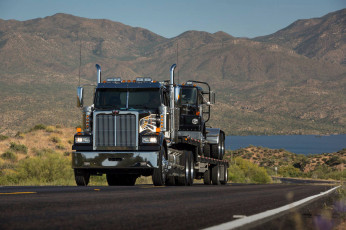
(149, 139)
(82, 140)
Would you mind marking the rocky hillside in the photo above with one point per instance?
(263, 86)
(322, 38)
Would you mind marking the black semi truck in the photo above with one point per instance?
(147, 128)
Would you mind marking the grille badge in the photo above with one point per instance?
(115, 112)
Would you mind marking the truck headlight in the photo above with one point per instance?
(195, 121)
(149, 140)
(82, 140)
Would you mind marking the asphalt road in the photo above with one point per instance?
(141, 206)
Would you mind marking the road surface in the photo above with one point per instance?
(141, 206)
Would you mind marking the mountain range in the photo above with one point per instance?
(289, 82)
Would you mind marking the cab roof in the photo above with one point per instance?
(129, 85)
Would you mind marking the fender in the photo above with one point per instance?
(213, 135)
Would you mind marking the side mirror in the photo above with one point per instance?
(80, 96)
(177, 95)
(212, 97)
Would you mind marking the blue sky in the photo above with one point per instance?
(239, 18)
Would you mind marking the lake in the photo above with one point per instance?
(300, 144)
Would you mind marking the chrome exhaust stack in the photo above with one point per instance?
(172, 106)
(98, 67)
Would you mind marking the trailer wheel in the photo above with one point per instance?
(207, 177)
(218, 150)
(159, 174)
(81, 177)
(186, 172)
(206, 151)
(215, 175)
(225, 173)
(191, 169)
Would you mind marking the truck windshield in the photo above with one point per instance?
(189, 96)
(127, 98)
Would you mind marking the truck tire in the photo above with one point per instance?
(215, 175)
(185, 179)
(218, 150)
(191, 169)
(206, 151)
(222, 145)
(207, 177)
(225, 173)
(159, 174)
(82, 177)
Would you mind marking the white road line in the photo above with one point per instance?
(250, 219)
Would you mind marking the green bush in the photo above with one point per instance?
(3, 137)
(18, 148)
(43, 152)
(38, 127)
(246, 172)
(289, 171)
(9, 155)
(55, 140)
(60, 146)
(44, 169)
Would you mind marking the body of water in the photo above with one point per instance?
(300, 144)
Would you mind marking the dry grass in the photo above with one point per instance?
(53, 137)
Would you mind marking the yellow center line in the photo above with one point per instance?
(17, 193)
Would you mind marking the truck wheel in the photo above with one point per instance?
(191, 169)
(82, 177)
(225, 173)
(222, 146)
(185, 179)
(215, 175)
(206, 177)
(159, 174)
(206, 151)
(217, 151)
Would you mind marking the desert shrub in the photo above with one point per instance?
(325, 172)
(245, 171)
(50, 129)
(3, 137)
(235, 174)
(60, 146)
(38, 127)
(55, 139)
(9, 155)
(44, 169)
(334, 160)
(19, 148)
(43, 152)
(20, 135)
(289, 171)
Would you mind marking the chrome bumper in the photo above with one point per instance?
(119, 160)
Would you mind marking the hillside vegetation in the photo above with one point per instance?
(263, 85)
(316, 166)
(42, 156)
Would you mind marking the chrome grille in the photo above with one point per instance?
(115, 131)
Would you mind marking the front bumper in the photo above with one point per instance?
(115, 160)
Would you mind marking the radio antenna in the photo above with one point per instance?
(80, 58)
(178, 61)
